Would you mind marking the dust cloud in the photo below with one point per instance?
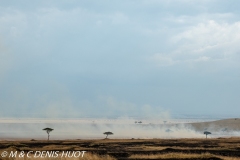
(94, 129)
(122, 128)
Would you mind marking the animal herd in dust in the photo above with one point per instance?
(48, 130)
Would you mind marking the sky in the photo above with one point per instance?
(122, 58)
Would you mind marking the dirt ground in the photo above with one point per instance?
(124, 149)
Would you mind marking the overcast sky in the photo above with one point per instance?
(86, 58)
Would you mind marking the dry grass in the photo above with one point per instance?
(59, 147)
(146, 148)
(87, 156)
(135, 148)
(181, 156)
(172, 155)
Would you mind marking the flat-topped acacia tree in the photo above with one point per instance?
(48, 130)
(108, 133)
(206, 132)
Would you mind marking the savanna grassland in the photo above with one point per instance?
(133, 149)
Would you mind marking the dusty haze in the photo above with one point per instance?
(122, 128)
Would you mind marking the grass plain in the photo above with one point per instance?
(133, 149)
(221, 148)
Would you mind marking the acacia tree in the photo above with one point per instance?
(108, 133)
(206, 132)
(48, 130)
